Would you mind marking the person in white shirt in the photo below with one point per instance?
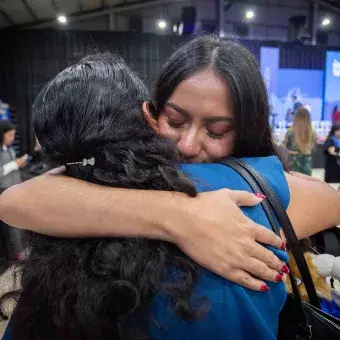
(10, 238)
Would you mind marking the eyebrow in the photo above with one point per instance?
(209, 120)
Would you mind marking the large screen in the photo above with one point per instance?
(288, 88)
(332, 84)
(306, 86)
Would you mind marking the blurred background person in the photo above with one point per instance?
(296, 103)
(10, 238)
(300, 141)
(336, 114)
(332, 155)
(289, 117)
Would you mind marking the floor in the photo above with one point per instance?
(6, 280)
(6, 284)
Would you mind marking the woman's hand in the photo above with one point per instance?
(212, 230)
(21, 161)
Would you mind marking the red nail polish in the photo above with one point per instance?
(279, 278)
(284, 245)
(285, 269)
(264, 288)
(260, 195)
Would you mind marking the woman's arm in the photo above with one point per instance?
(314, 206)
(332, 151)
(210, 228)
(287, 143)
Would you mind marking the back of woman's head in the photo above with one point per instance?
(303, 131)
(93, 110)
(101, 288)
(239, 70)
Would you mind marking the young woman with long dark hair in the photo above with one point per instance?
(235, 102)
(212, 128)
(91, 118)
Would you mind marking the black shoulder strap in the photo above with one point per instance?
(272, 203)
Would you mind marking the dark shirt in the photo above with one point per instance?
(332, 169)
(297, 105)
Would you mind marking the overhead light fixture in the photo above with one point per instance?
(326, 22)
(62, 19)
(250, 14)
(162, 24)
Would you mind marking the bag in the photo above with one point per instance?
(299, 320)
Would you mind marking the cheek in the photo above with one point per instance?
(166, 131)
(220, 148)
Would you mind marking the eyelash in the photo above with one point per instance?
(176, 126)
(211, 135)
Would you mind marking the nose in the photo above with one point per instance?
(189, 144)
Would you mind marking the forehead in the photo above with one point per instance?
(203, 93)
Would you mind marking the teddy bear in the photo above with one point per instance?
(320, 267)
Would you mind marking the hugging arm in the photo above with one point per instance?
(210, 228)
(314, 205)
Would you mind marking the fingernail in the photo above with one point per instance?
(264, 288)
(284, 245)
(279, 278)
(260, 195)
(285, 269)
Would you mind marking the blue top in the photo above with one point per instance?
(236, 312)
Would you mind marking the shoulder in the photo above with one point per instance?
(208, 177)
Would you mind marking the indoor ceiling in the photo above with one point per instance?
(30, 13)
(27, 13)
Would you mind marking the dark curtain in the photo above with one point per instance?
(303, 57)
(28, 59)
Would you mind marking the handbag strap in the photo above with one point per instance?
(283, 219)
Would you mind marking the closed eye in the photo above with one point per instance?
(214, 136)
(176, 125)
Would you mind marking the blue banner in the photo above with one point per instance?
(332, 84)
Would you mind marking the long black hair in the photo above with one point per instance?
(101, 288)
(239, 70)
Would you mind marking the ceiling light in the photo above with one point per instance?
(250, 14)
(62, 19)
(326, 22)
(161, 24)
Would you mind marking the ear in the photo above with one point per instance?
(148, 116)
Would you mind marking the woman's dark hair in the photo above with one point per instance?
(101, 288)
(5, 126)
(239, 70)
